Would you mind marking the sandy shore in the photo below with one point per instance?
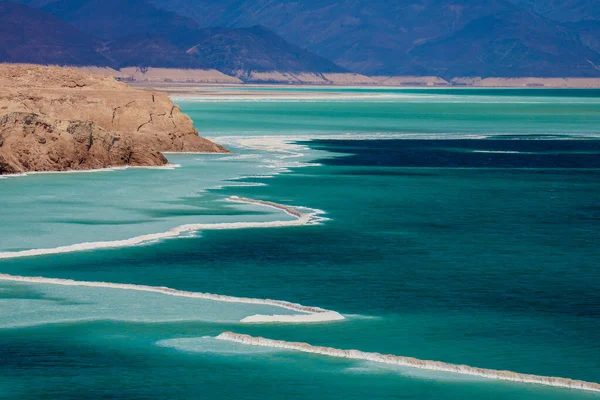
(173, 78)
(247, 91)
(529, 82)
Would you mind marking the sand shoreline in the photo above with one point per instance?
(172, 76)
(181, 87)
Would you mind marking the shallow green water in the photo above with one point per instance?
(480, 252)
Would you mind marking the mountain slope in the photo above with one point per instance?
(113, 19)
(31, 36)
(33, 3)
(509, 44)
(382, 38)
(564, 10)
(408, 37)
(589, 33)
(149, 51)
(240, 52)
(368, 37)
(581, 16)
(140, 34)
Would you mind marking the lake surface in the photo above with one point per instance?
(454, 225)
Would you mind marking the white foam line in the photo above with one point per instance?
(412, 362)
(212, 153)
(304, 98)
(242, 177)
(233, 184)
(370, 98)
(327, 316)
(311, 314)
(279, 142)
(234, 157)
(168, 166)
(500, 152)
(74, 171)
(309, 218)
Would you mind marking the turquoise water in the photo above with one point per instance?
(471, 251)
(408, 113)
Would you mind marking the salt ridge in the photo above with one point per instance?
(412, 362)
(310, 314)
(308, 218)
(168, 166)
(282, 143)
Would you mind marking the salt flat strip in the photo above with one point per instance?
(412, 362)
(301, 219)
(311, 314)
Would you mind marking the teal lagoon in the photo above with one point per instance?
(458, 226)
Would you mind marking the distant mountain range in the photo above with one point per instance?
(447, 38)
(423, 37)
(237, 51)
(135, 33)
(509, 44)
(581, 16)
(32, 36)
(563, 10)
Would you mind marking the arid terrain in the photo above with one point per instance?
(58, 119)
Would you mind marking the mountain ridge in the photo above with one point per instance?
(286, 41)
(135, 33)
(380, 37)
(24, 38)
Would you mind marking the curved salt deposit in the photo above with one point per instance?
(412, 362)
(325, 316)
(208, 344)
(168, 166)
(310, 314)
(302, 218)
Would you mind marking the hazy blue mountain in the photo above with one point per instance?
(149, 51)
(564, 10)
(123, 33)
(581, 16)
(404, 37)
(589, 32)
(33, 3)
(234, 51)
(397, 37)
(113, 19)
(509, 44)
(31, 36)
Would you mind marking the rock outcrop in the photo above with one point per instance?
(58, 119)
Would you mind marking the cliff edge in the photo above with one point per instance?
(58, 119)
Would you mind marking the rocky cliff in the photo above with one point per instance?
(57, 119)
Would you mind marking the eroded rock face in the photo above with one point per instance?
(34, 143)
(56, 119)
